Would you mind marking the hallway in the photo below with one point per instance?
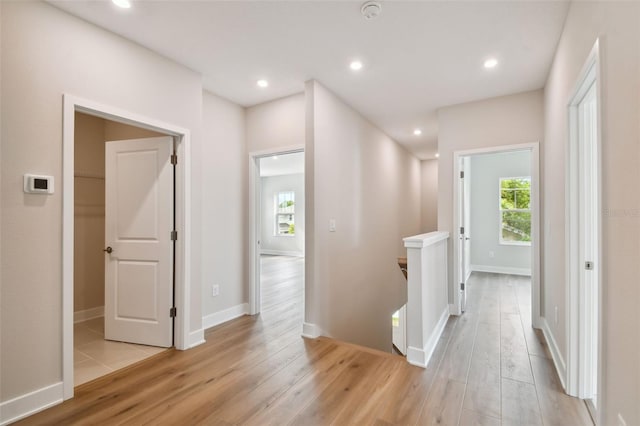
(488, 367)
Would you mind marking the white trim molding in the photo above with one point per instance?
(311, 331)
(501, 270)
(88, 314)
(421, 356)
(225, 315)
(31, 403)
(556, 355)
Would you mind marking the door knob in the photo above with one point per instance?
(108, 250)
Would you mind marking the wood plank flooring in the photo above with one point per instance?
(489, 368)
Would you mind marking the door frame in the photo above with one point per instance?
(182, 138)
(577, 368)
(533, 147)
(255, 225)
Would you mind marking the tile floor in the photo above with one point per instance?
(93, 356)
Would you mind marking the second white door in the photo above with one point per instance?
(139, 252)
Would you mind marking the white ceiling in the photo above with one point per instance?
(418, 56)
(286, 164)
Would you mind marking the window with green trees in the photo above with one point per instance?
(515, 210)
(285, 213)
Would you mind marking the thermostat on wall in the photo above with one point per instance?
(38, 184)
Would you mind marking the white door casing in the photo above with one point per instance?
(584, 373)
(138, 225)
(458, 220)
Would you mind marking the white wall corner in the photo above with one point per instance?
(556, 355)
(453, 309)
(421, 356)
(88, 314)
(225, 315)
(196, 338)
(30, 403)
(310, 331)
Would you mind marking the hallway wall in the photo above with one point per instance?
(506, 120)
(370, 186)
(617, 25)
(46, 53)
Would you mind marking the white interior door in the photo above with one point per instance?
(463, 253)
(467, 217)
(588, 237)
(139, 252)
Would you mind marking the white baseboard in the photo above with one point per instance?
(195, 338)
(310, 331)
(281, 253)
(501, 270)
(556, 355)
(219, 317)
(30, 403)
(87, 314)
(421, 356)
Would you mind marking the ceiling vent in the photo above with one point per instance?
(371, 9)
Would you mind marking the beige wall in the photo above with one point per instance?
(224, 202)
(370, 185)
(46, 53)
(618, 26)
(506, 120)
(88, 257)
(276, 124)
(89, 209)
(429, 195)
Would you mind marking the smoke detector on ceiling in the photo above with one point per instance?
(371, 9)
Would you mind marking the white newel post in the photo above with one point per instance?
(427, 294)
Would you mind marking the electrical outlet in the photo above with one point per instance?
(556, 315)
(621, 421)
(492, 254)
(332, 225)
(215, 290)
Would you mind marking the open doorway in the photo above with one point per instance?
(145, 160)
(496, 217)
(279, 224)
(94, 354)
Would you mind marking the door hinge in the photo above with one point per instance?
(462, 286)
(462, 230)
(174, 235)
(174, 159)
(461, 175)
(588, 266)
(173, 312)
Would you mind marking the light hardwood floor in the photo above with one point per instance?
(489, 368)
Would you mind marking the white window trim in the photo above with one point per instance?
(276, 229)
(501, 241)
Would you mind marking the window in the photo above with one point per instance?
(515, 210)
(285, 204)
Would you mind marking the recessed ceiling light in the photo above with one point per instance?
(125, 4)
(355, 65)
(262, 83)
(491, 63)
(275, 157)
(417, 132)
(437, 155)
